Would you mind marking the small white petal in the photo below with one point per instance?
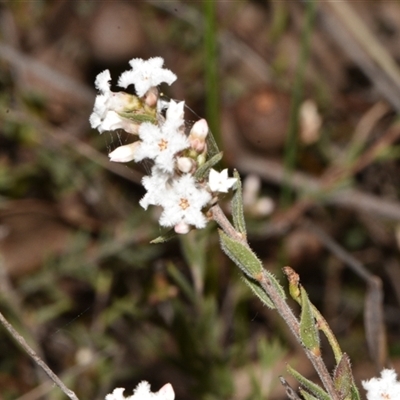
(166, 392)
(102, 81)
(219, 181)
(117, 394)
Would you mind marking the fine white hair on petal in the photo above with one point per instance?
(156, 185)
(146, 74)
(102, 81)
(142, 390)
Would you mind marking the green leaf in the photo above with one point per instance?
(307, 396)
(241, 255)
(258, 291)
(313, 388)
(308, 330)
(343, 378)
(203, 170)
(237, 206)
(212, 147)
(165, 237)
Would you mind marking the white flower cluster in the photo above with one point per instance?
(143, 392)
(160, 127)
(387, 387)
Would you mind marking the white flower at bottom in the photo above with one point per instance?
(142, 392)
(183, 203)
(219, 181)
(384, 388)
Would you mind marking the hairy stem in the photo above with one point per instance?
(280, 304)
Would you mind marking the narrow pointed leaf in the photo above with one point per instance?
(258, 291)
(203, 170)
(308, 330)
(212, 147)
(241, 255)
(307, 396)
(342, 377)
(237, 206)
(355, 394)
(165, 237)
(311, 387)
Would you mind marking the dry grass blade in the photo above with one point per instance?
(375, 324)
(353, 36)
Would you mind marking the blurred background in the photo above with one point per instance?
(302, 97)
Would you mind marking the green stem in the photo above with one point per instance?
(211, 70)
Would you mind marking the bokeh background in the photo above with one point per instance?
(302, 97)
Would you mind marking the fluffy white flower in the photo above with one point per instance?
(183, 203)
(105, 115)
(143, 392)
(384, 388)
(146, 74)
(160, 145)
(219, 181)
(156, 184)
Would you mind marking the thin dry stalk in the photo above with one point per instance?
(36, 358)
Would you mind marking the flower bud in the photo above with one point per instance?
(182, 228)
(185, 164)
(198, 135)
(200, 129)
(124, 153)
(151, 97)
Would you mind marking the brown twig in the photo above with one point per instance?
(36, 358)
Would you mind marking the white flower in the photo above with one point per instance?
(183, 202)
(124, 153)
(142, 392)
(160, 145)
(219, 181)
(105, 115)
(175, 113)
(384, 388)
(146, 74)
(156, 185)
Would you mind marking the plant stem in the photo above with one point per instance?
(280, 304)
(36, 358)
